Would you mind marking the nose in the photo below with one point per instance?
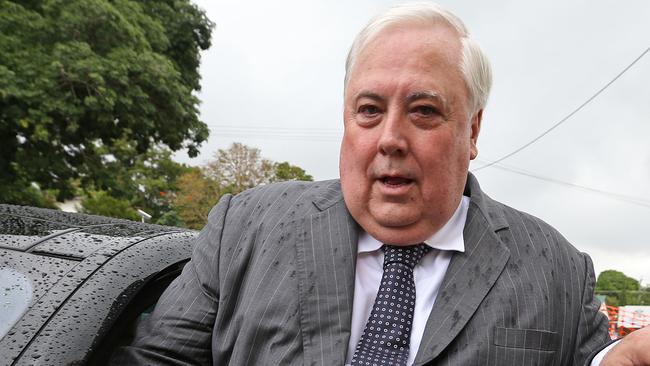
(392, 140)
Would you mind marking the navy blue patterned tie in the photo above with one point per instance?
(386, 338)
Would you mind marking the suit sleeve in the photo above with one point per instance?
(179, 331)
(592, 334)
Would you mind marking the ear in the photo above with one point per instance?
(475, 129)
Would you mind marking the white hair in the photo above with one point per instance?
(474, 65)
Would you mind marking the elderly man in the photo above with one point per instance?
(405, 260)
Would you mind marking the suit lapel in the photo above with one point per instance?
(469, 277)
(326, 256)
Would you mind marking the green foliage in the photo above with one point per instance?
(611, 280)
(285, 171)
(147, 181)
(170, 218)
(80, 78)
(623, 298)
(620, 289)
(26, 194)
(642, 297)
(101, 203)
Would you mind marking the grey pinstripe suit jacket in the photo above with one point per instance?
(271, 282)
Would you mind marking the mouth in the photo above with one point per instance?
(395, 181)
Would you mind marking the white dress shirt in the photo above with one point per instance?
(428, 275)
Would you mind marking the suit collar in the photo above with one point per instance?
(326, 249)
(329, 194)
(470, 275)
(489, 208)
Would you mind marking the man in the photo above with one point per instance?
(298, 273)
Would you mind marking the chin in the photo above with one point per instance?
(395, 215)
(397, 233)
(399, 236)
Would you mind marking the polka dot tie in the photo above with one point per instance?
(386, 338)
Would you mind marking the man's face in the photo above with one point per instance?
(408, 135)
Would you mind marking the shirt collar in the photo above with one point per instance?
(449, 237)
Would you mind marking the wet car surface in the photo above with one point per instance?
(74, 286)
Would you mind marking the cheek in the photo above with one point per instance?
(357, 149)
(442, 161)
(350, 170)
(449, 150)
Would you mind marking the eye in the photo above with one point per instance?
(368, 110)
(425, 110)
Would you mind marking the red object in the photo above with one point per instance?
(623, 322)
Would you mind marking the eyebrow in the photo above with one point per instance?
(368, 94)
(427, 95)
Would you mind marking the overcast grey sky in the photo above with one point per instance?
(273, 79)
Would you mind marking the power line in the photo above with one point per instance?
(639, 201)
(276, 128)
(285, 133)
(566, 117)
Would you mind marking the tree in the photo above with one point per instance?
(620, 289)
(611, 280)
(100, 203)
(146, 181)
(30, 195)
(170, 218)
(233, 170)
(80, 77)
(285, 171)
(149, 181)
(239, 168)
(195, 197)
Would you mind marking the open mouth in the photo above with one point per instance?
(392, 181)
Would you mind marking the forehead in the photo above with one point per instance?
(410, 57)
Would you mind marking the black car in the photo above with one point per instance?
(73, 287)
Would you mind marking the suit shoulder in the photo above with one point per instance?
(304, 190)
(289, 199)
(532, 228)
(533, 243)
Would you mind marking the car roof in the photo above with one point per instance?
(69, 235)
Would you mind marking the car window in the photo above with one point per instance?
(17, 294)
(139, 309)
(35, 282)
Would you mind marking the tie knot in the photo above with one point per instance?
(409, 256)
